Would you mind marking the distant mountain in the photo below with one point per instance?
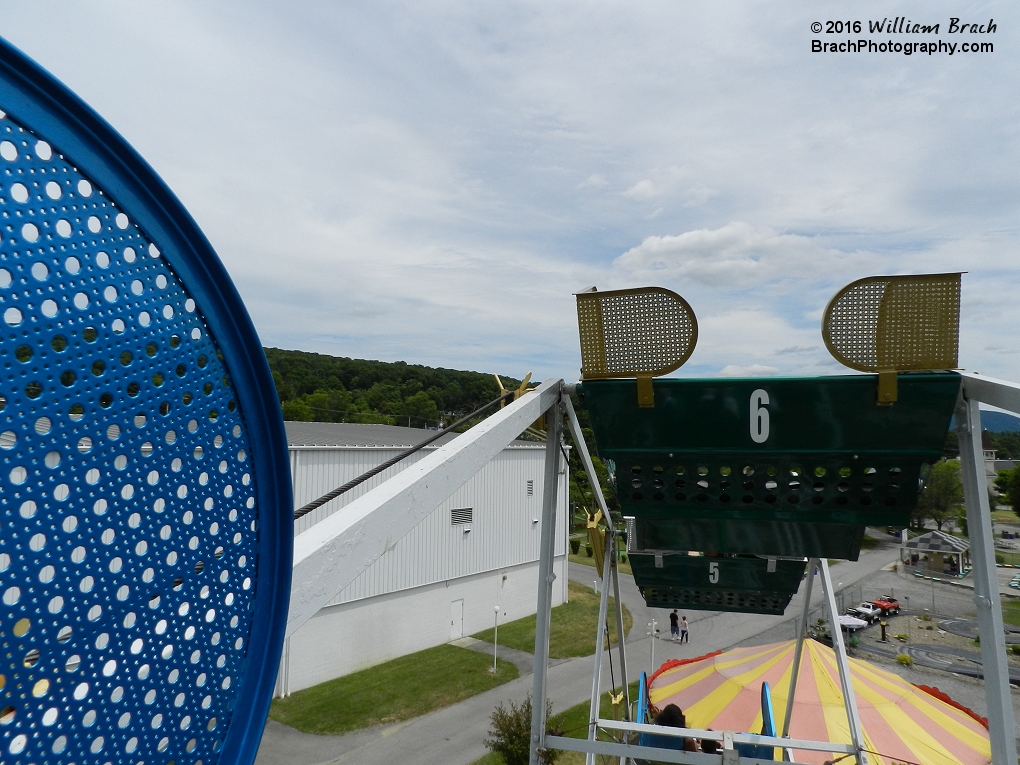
(1000, 422)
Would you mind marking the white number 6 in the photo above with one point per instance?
(713, 572)
(759, 416)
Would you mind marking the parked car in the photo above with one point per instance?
(870, 613)
(851, 623)
(887, 604)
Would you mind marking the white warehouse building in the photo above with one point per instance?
(440, 582)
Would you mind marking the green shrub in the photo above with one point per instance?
(1015, 648)
(575, 546)
(904, 659)
(587, 549)
(925, 617)
(929, 627)
(510, 735)
(902, 638)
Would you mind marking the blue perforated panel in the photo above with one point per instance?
(129, 511)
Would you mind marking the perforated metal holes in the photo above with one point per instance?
(127, 508)
(897, 323)
(625, 333)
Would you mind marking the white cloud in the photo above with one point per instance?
(594, 181)
(402, 181)
(736, 255)
(641, 191)
(796, 349)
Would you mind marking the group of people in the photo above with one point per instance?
(678, 628)
(673, 717)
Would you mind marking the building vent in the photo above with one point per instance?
(460, 516)
(531, 488)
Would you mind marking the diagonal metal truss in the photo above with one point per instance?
(333, 553)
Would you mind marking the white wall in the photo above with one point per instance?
(402, 603)
(345, 638)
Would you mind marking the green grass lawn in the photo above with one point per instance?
(1005, 516)
(1011, 611)
(1008, 557)
(584, 560)
(573, 723)
(407, 687)
(573, 626)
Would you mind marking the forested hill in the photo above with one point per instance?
(317, 388)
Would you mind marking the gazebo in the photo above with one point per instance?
(941, 552)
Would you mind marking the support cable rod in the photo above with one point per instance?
(611, 534)
(303, 511)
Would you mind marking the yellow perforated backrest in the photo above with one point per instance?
(895, 323)
(648, 331)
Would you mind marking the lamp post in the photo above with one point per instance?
(907, 599)
(651, 641)
(495, 636)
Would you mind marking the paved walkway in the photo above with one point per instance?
(455, 735)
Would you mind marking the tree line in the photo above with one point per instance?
(313, 387)
(942, 499)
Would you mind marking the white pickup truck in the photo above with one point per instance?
(867, 611)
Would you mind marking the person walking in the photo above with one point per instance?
(674, 626)
(684, 636)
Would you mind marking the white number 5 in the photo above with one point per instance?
(759, 416)
(713, 572)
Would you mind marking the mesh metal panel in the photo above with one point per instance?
(625, 333)
(717, 600)
(121, 443)
(898, 323)
(132, 521)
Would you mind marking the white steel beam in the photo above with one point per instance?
(994, 666)
(546, 577)
(593, 481)
(1000, 393)
(801, 632)
(849, 697)
(334, 552)
(721, 735)
(600, 641)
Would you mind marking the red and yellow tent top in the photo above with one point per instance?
(902, 723)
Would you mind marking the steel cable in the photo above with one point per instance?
(303, 511)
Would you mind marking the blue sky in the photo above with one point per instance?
(430, 182)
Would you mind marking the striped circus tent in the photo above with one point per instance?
(902, 723)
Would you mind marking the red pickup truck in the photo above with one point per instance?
(887, 604)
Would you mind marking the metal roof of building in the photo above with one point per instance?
(938, 541)
(360, 435)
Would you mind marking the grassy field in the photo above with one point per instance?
(1011, 611)
(1005, 516)
(584, 560)
(397, 690)
(573, 626)
(573, 723)
(1008, 557)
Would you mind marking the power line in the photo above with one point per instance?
(303, 511)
